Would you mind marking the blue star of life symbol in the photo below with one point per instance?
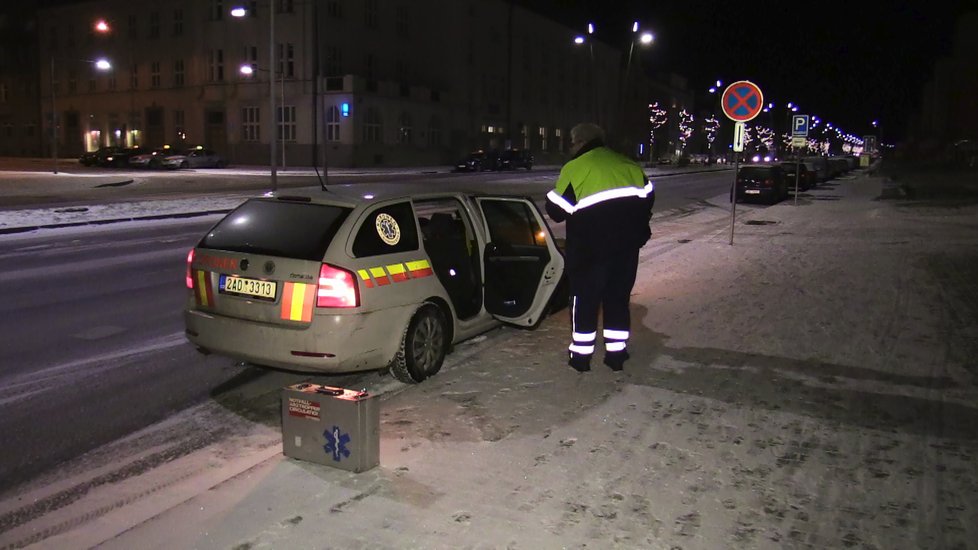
(336, 442)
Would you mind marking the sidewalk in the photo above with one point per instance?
(811, 386)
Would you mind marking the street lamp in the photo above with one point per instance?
(100, 64)
(241, 11)
(579, 40)
(644, 38)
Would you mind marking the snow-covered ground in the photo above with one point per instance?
(811, 386)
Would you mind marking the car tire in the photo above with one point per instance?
(424, 345)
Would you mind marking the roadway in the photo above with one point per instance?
(92, 331)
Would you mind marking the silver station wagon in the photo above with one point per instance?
(333, 283)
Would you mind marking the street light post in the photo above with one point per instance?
(272, 139)
(54, 120)
(100, 64)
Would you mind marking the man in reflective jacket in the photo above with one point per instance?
(606, 201)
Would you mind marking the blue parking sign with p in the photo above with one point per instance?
(799, 125)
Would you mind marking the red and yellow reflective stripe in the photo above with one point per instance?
(394, 273)
(380, 276)
(202, 288)
(419, 268)
(365, 277)
(398, 273)
(297, 301)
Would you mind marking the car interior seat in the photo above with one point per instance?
(445, 241)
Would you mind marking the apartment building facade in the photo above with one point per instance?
(339, 82)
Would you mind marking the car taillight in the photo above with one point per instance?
(768, 182)
(190, 276)
(337, 288)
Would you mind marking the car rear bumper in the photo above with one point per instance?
(331, 343)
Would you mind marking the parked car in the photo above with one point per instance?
(821, 165)
(837, 166)
(197, 157)
(478, 161)
(341, 283)
(93, 158)
(117, 157)
(764, 182)
(511, 159)
(807, 177)
(151, 158)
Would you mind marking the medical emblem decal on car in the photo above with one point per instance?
(388, 229)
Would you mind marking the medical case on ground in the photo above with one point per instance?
(331, 426)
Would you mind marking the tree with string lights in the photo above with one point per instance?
(685, 128)
(657, 118)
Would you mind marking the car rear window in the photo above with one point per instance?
(756, 171)
(278, 228)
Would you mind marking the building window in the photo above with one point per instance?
(133, 27)
(178, 126)
(154, 24)
(286, 60)
(334, 61)
(251, 58)
(178, 72)
(371, 63)
(285, 6)
(72, 82)
(91, 83)
(334, 9)
(286, 123)
(215, 11)
(372, 126)
(154, 74)
(402, 21)
(405, 131)
(434, 132)
(250, 124)
(332, 124)
(543, 138)
(134, 76)
(559, 138)
(216, 66)
(371, 17)
(177, 22)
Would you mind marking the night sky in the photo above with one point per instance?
(847, 62)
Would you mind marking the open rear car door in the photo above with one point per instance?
(522, 262)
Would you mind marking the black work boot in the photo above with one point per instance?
(579, 362)
(616, 359)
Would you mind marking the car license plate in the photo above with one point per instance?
(753, 191)
(241, 286)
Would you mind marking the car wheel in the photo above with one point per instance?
(423, 346)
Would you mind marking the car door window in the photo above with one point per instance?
(522, 266)
(449, 239)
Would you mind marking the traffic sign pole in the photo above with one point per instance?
(741, 101)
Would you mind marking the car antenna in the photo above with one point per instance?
(323, 178)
